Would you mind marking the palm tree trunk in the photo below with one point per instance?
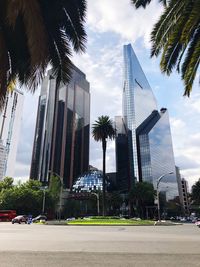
(104, 177)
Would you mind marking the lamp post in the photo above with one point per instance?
(44, 198)
(157, 191)
(97, 196)
(61, 189)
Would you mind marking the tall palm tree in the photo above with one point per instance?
(35, 34)
(176, 36)
(102, 130)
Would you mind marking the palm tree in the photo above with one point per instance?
(177, 36)
(102, 130)
(35, 34)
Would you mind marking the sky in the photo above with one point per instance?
(110, 25)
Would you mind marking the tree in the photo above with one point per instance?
(34, 34)
(142, 195)
(26, 198)
(195, 194)
(102, 130)
(177, 36)
(6, 183)
(54, 189)
(115, 201)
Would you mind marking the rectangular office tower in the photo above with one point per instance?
(61, 144)
(10, 122)
(148, 131)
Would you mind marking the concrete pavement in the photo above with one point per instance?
(45, 245)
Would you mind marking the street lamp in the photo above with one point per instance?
(43, 201)
(61, 189)
(97, 196)
(157, 191)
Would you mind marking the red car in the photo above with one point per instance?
(19, 219)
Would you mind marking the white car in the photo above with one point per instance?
(197, 223)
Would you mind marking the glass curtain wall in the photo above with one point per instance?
(136, 89)
(61, 144)
(155, 153)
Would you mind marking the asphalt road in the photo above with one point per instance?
(48, 245)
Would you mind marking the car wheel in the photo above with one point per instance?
(12, 222)
(19, 222)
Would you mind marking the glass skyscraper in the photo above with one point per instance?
(148, 130)
(138, 100)
(61, 144)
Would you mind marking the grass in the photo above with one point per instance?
(109, 221)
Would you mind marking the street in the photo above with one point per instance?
(49, 245)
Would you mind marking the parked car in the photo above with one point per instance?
(197, 223)
(39, 218)
(20, 219)
(183, 219)
(71, 219)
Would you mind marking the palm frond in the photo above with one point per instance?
(176, 35)
(191, 62)
(75, 12)
(103, 129)
(4, 68)
(165, 26)
(144, 3)
(37, 33)
(34, 29)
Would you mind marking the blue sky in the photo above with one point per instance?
(110, 25)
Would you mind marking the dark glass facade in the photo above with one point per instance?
(64, 131)
(123, 167)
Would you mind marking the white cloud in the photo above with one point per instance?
(121, 17)
(186, 137)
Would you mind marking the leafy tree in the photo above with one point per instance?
(177, 36)
(34, 34)
(195, 194)
(114, 200)
(54, 189)
(142, 195)
(102, 130)
(174, 207)
(6, 183)
(25, 198)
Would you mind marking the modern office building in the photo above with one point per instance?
(138, 100)
(61, 144)
(144, 132)
(183, 192)
(123, 172)
(10, 121)
(185, 199)
(2, 160)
